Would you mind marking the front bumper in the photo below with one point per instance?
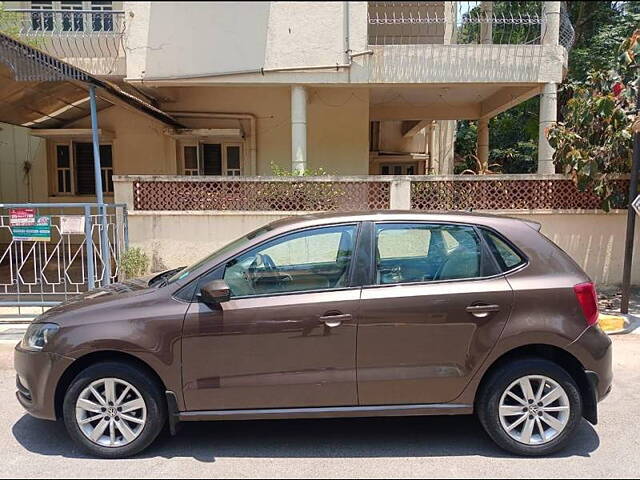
(38, 374)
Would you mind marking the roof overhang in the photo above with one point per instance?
(71, 133)
(39, 91)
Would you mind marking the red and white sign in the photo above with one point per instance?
(22, 217)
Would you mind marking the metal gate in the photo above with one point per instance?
(73, 259)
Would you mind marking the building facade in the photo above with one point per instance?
(211, 111)
(349, 88)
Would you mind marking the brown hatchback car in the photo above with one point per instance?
(333, 315)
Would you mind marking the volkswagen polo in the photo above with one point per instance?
(332, 315)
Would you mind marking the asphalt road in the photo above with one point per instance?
(398, 447)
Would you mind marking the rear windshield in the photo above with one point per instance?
(507, 256)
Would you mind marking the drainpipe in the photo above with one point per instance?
(345, 30)
(247, 116)
(298, 129)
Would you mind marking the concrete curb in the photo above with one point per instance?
(631, 324)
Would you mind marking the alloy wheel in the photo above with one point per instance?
(534, 410)
(111, 412)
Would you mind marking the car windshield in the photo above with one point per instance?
(188, 271)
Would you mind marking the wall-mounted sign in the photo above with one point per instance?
(40, 232)
(636, 204)
(19, 217)
(72, 224)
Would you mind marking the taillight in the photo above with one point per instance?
(588, 300)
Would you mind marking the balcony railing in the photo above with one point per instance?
(68, 34)
(424, 23)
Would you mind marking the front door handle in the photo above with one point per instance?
(333, 321)
(482, 310)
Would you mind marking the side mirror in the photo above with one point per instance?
(215, 292)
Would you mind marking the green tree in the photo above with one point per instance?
(599, 27)
(594, 141)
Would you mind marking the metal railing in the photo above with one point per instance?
(68, 34)
(46, 271)
(424, 23)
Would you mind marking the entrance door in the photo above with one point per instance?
(287, 337)
(432, 316)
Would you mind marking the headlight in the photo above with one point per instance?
(37, 336)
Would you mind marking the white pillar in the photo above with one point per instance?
(400, 194)
(298, 129)
(551, 28)
(548, 116)
(482, 147)
(486, 24)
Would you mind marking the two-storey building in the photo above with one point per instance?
(353, 88)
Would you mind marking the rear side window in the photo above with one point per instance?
(508, 258)
(412, 253)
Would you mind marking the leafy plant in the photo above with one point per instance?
(134, 262)
(594, 142)
(481, 168)
(279, 171)
(11, 24)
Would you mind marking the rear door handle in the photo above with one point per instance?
(333, 321)
(482, 311)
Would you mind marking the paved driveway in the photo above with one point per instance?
(394, 447)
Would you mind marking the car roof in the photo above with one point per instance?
(325, 218)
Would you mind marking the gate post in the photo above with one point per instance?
(88, 235)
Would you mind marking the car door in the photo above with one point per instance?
(287, 336)
(434, 309)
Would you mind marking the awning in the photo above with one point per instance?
(41, 91)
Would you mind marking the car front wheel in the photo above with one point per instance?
(113, 410)
(530, 407)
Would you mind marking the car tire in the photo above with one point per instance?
(129, 424)
(496, 407)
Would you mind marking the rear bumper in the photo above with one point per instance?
(38, 374)
(594, 350)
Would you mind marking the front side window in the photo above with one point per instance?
(312, 259)
(412, 253)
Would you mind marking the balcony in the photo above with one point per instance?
(449, 42)
(88, 39)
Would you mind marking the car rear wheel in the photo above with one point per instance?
(530, 407)
(113, 410)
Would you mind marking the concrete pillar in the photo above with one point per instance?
(298, 129)
(551, 28)
(482, 146)
(486, 24)
(548, 116)
(400, 194)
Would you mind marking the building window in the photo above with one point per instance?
(191, 160)
(75, 173)
(72, 22)
(41, 19)
(63, 168)
(398, 169)
(102, 22)
(210, 158)
(374, 136)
